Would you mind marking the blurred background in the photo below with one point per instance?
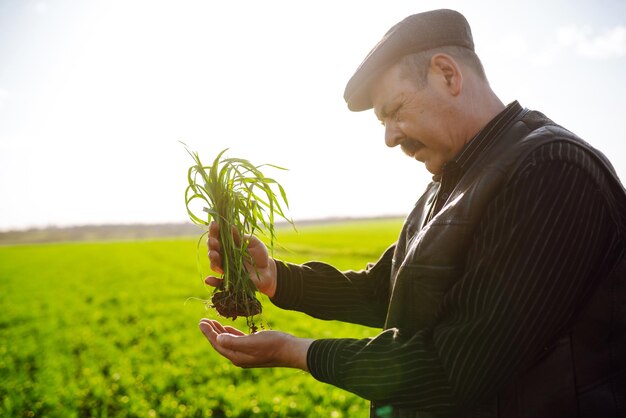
(95, 95)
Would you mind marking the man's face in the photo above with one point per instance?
(419, 119)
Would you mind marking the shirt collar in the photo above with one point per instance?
(481, 141)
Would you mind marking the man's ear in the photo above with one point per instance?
(447, 68)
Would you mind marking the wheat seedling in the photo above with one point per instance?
(242, 201)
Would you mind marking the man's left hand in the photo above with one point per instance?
(261, 349)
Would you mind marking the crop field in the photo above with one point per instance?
(110, 329)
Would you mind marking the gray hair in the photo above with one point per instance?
(415, 66)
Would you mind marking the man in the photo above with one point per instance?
(505, 294)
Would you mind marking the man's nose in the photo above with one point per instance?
(393, 135)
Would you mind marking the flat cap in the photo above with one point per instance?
(416, 33)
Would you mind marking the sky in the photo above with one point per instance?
(96, 95)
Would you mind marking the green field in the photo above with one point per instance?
(106, 329)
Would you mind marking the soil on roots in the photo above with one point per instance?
(231, 305)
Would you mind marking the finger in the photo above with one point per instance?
(205, 322)
(215, 260)
(219, 328)
(213, 324)
(214, 230)
(237, 358)
(241, 350)
(208, 329)
(214, 281)
(208, 332)
(214, 244)
(222, 333)
(234, 331)
(257, 252)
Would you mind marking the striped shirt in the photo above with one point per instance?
(500, 313)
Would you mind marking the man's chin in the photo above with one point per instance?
(432, 167)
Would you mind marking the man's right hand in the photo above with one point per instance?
(262, 270)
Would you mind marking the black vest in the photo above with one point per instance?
(582, 374)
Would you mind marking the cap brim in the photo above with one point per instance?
(416, 33)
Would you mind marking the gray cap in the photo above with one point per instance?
(416, 33)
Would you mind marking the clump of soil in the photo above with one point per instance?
(231, 305)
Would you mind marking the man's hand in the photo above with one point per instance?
(262, 349)
(262, 268)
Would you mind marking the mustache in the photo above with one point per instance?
(411, 146)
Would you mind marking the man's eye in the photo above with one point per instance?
(396, 115)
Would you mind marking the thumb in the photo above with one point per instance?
(226, 340)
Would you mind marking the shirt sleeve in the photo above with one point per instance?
(322, 291)
(536, 252)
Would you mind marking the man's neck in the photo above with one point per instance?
(481, 111)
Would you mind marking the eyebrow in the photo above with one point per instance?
(384, 112)
(393, 104)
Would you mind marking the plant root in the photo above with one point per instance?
(230, 305)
